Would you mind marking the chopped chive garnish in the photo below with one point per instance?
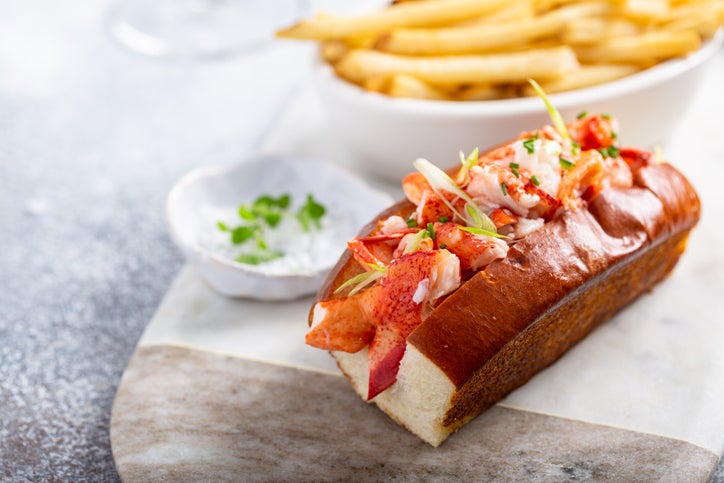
(311, 213)
(265, 213)
(258, 258)
(273, 219)
(504, 187)
(581, 114)
(575, 148)
(431, 230)
(566, 164)
(246, 213)
(260, 243)
(614, 135)
(609, 152)
(606, 116)
(535, 180)
(242, 233)
(514, 168)
(411, 223)
(529, 144)
(442, 246)
(443, 219)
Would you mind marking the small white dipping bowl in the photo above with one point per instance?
(199, 199)
(384, 134)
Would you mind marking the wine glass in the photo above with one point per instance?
(199, 28)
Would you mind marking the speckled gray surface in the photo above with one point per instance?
(91, 138)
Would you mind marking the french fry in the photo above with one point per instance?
(643, 48)
(468, 40)
(477, 38)
(585, 76)
(593, 30)
(702, 22)
(645, 10)
(482, 92)
(332, 51)
(704, 16)
(402, 85)
(542, 6)
(379, 83)
(519, 10)
(485, 38)
(487, 49)
(406, 14)
(360, 64)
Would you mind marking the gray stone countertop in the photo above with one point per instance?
(92, 136)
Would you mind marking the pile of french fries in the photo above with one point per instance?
(488, 49)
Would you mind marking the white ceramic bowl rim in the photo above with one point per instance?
(632, 83)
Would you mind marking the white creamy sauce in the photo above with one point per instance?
(304, 252)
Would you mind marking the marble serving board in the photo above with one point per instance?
(225, 390)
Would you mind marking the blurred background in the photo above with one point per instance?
(92, 136)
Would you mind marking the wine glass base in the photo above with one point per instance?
(199, 28)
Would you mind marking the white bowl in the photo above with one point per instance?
(384, 135)
(199, 199)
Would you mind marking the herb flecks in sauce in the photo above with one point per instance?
(265, 213)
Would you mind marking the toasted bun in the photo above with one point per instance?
(521, 313)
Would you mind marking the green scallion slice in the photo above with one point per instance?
(480, 231)
(552, 111)
(566, 164)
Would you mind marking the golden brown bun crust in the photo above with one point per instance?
(523, 312)
(483, 315)
(556, 330)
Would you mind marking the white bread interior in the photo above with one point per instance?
(418, 400)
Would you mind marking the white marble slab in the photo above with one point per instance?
(656, 368)
(189, 415)
(192, 314)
